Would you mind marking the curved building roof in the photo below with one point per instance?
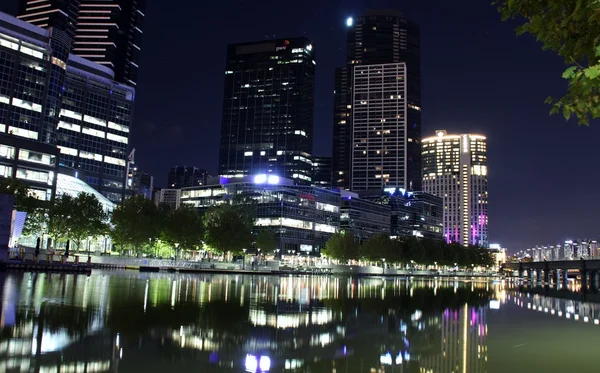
(72, 186)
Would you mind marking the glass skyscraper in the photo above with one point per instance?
(267, 124)
(379, 41)
(59, 109)
(108, 32)
(455, 168)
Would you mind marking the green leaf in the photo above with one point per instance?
(570, 72)
(592, 72)
(598, 51)
(567, 112)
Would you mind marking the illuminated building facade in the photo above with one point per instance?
(32, 72)
(379, 128)
(455, 168)
(363, 218)
(377, 39)
(411, 213)
(322, 176)
(94, 125)
(267, 124)
(301, 217)
(59, 109)
(108, 32)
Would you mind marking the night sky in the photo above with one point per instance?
(477, 77)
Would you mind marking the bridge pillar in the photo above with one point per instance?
(556, 277)
(584, 276)
(546, 273)
(538, 275)
(595, 280)
(565, 278)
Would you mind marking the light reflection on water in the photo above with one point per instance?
(131, 322)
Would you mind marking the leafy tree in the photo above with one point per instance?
(376, 248)
(88, 219)
(228, 227)
(61, 217)
(342, 246)
(37, 210)
(183, 229)
(266, 241)
(36, 222)
(134, 223)
(571, 28)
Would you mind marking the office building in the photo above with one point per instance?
(32, 72)
(58, 109)
(455, 168)
(167, 197)
(381, 111)
(140, 183)
(416, 214)
(108, 32)
(322, 176)
(363, 218)
(267, 124)
(95, 120)
(187, 176)
(302, 217)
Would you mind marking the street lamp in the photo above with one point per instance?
(176, 250)
(383, 272)
(244, 259)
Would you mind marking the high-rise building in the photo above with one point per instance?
(93, 131)
(187, 176)
(380, 42)
(60, 109)
(140, 182)
(108, 32)
(267, 122)
(322, 176)
(32, 73)
(455, 168)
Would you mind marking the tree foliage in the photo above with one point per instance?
(405, 250)
(228, 227)
(571, 28)
(135, 222)
(37, 210)
(342, 246)
(183, 228)
(77, 218)
(266, 241)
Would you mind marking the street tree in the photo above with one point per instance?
(377, 248)
(571, 28)
(183, 229)
(228, 228)
(88, 218)
(266, 241)
(61, 216)
(342, 246)
(134, 223)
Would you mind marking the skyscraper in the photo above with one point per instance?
(267, 122)
(187, 176)
(322, 172)
(455, 168)
(390, 43)
(59, 109)
(108, 32)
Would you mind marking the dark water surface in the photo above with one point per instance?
(131, 322)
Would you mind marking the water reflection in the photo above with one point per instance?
(127, 322)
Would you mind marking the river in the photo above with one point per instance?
(168, 322)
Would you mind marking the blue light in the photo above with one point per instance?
(273, 179)
(264, 363)
(266, 179)
(349, 21)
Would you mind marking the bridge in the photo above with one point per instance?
(558, 271)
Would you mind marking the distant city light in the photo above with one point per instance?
(349, 21)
